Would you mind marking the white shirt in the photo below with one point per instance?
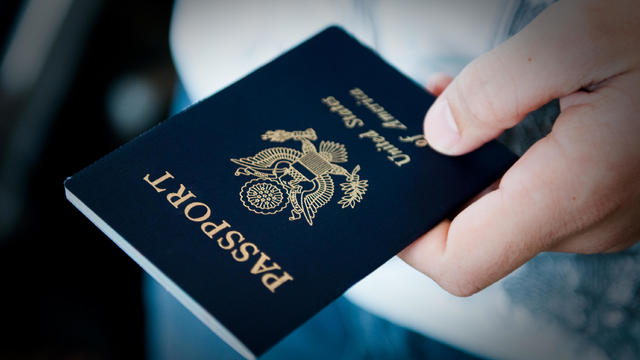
(216, 43)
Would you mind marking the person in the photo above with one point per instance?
(562, 91)
(576, 190)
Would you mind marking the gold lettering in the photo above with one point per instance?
(204, 217)
(385, 116)
(417, 140)
(353, 122)
(331, 101)
(229, 238)
(259, 267)
(386, 146)
(157, 181)
(395, 155)
(336, 108)
(376, 108)
(356, 92)
(395, 124)
(368, 134)
(272, 281)
(216, 228)
(348, 118)
(181, 198)
(405, 159)
(228, 241)
(388, 120)
(244, 252)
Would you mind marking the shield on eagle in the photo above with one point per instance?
(301, 178)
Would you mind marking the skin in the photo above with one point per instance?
(578, 189)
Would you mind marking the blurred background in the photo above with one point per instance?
(77, 79)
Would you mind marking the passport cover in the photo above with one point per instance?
(261, 204)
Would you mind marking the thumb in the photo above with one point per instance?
(496, 91)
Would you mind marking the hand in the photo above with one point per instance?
(576, 190)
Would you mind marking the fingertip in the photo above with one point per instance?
(423, 253)
(440, 127)
(437, 83)
(427, 255)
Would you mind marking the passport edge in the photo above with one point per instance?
(176, 291)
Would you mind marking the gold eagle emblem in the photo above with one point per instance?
(283, 176)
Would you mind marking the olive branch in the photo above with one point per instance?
(353, 189)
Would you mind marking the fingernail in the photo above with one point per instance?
(440, 127)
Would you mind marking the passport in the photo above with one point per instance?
(261, 204)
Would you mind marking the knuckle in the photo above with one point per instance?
(484, 103)
(472, 98)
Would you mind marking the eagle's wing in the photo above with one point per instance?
(335, 152)
(264, 160)
(307, 146)
(316, 199)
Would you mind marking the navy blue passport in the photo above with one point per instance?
(261, 204)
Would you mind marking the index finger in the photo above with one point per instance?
(505, 228)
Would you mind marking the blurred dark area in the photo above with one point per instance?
(77, 79)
